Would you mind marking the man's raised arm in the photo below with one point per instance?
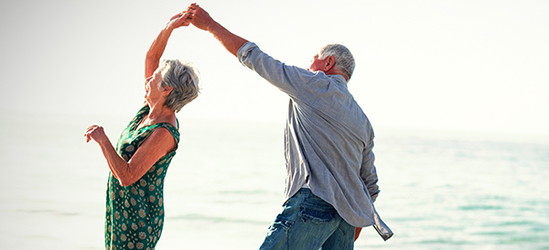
(202, 20)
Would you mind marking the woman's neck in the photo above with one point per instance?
(158, 114)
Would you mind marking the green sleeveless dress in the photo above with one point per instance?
(135, 214)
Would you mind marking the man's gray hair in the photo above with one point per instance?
(183, 78)
(344, 60)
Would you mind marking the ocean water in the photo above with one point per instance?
(439, 190)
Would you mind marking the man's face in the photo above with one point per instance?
(317, 64)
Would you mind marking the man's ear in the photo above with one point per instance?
(330, 63)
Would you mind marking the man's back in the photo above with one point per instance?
(331, 171)
(328, 139)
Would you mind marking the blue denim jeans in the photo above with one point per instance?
(309, 223)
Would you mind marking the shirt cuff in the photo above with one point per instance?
(244, 51)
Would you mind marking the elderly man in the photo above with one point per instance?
(331, 177)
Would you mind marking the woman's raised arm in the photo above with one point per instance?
(152, 59)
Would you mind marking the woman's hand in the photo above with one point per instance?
(179, 20)
(96, 133)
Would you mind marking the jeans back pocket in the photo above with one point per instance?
(317, 210)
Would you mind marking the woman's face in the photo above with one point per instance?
(152, 91)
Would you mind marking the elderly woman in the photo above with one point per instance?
(138, 165)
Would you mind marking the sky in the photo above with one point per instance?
(435, 65)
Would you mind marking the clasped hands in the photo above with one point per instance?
(194, 14)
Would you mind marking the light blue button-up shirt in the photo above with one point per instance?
(328, 139)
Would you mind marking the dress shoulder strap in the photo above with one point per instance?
(173, 130)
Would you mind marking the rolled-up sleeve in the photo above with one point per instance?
(290, 79)
(245, 51)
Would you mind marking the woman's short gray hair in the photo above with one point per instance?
(183, 78)
(345, 62)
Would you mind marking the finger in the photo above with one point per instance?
(185, 16)
(88, 137)
(194, 6)
(187, 22)
(175, 16)
(90, 129)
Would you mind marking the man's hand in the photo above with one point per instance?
(357, 232)
(202, 20)
(199, 17)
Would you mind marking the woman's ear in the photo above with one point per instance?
(167, 91)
